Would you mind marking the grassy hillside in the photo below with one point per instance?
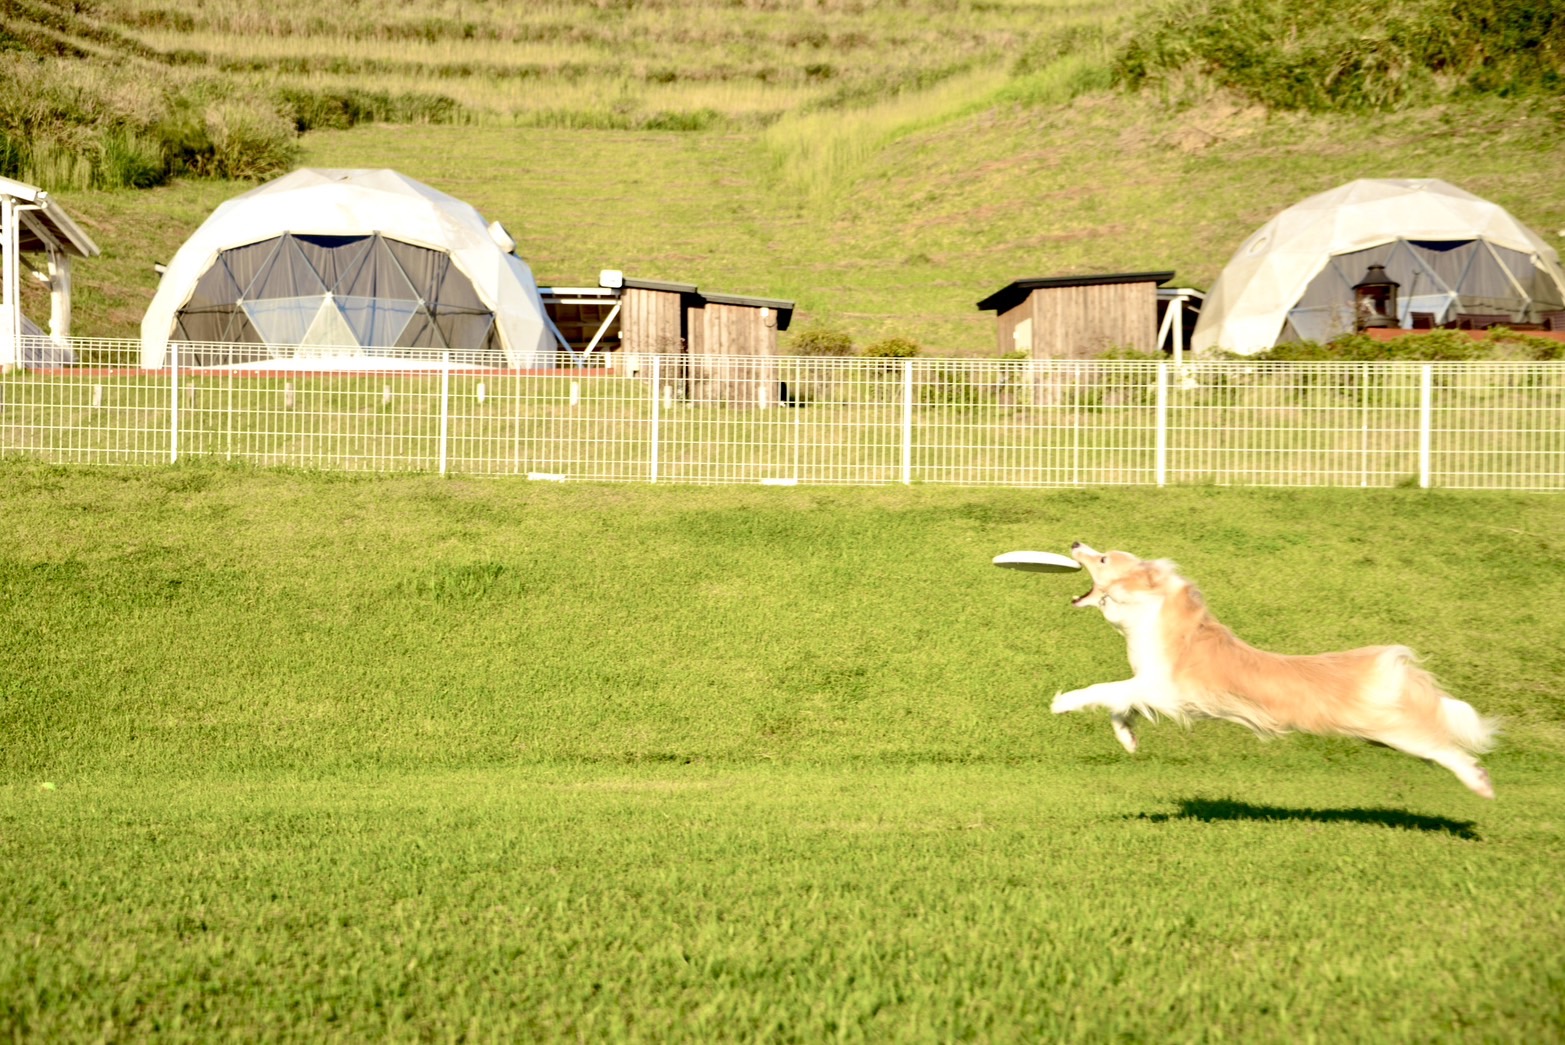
(583, 63)
(885, 169)
(912, 234)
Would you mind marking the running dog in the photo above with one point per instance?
(1186, 665)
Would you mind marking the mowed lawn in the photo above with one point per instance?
(292, 756)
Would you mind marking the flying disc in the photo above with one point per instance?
(1037, 562)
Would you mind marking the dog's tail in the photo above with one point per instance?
(1457, 719)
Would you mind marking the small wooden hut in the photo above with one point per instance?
(654, 318)
(720, 342)
(730, 342)
(1077, 317)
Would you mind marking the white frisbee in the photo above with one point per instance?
(1037, 562)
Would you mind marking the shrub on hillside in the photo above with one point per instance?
(67, 125)
(250, 139)
(820, 339)
(1327, 55)
(341, 108)
(1437, 346)
(893, 348)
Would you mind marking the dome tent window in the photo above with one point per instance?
(348, 293)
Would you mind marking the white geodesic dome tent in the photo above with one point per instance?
(1450, 251)
(356, 263)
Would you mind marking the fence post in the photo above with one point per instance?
(657, 403)
(1426, 387)
(1162, 424)
(1364, 377)
(907, 422)
(173, 412)
(445, 407)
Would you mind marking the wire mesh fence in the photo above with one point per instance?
(786, 420)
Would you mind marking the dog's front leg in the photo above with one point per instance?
(1118, 697)
(1127, 736)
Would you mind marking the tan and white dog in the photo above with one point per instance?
(1186, 665)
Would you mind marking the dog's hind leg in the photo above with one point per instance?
(1465, 766)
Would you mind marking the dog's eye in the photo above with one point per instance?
(1104, 559)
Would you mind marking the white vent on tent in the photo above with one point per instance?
(502, 238)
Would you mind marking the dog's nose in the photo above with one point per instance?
(1075, 545)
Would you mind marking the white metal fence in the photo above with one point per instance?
(786, 420)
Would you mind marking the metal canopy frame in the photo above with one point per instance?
(31, 222)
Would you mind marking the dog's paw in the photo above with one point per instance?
(1480, 783)
(1064, 702)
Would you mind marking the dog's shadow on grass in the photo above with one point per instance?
(1214, 810)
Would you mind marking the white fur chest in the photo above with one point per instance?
(1144, 643)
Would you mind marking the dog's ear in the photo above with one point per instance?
(1161, 571)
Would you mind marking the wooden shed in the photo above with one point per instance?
(721, 342)
(655, 316)
(648, 316)
(730, 340)
(1077, 317)
(629, 315)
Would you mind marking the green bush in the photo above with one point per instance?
(128, 160)
(820, 339)
(1358, 55)
(1437, 346)
(1126, 352)
(893, 348)
(249, 139)
(313, 110)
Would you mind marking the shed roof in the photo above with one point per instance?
(655, 284)
(47, 228)
(1013, 294)
(783, 308)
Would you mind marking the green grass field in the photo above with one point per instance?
(301, 756)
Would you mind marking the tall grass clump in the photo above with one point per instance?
(248, 140)
(73, 125)
(1361, 56)
(1059, 66)
(820, 152)
(314, 108)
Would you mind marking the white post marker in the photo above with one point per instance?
(1037, 562)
